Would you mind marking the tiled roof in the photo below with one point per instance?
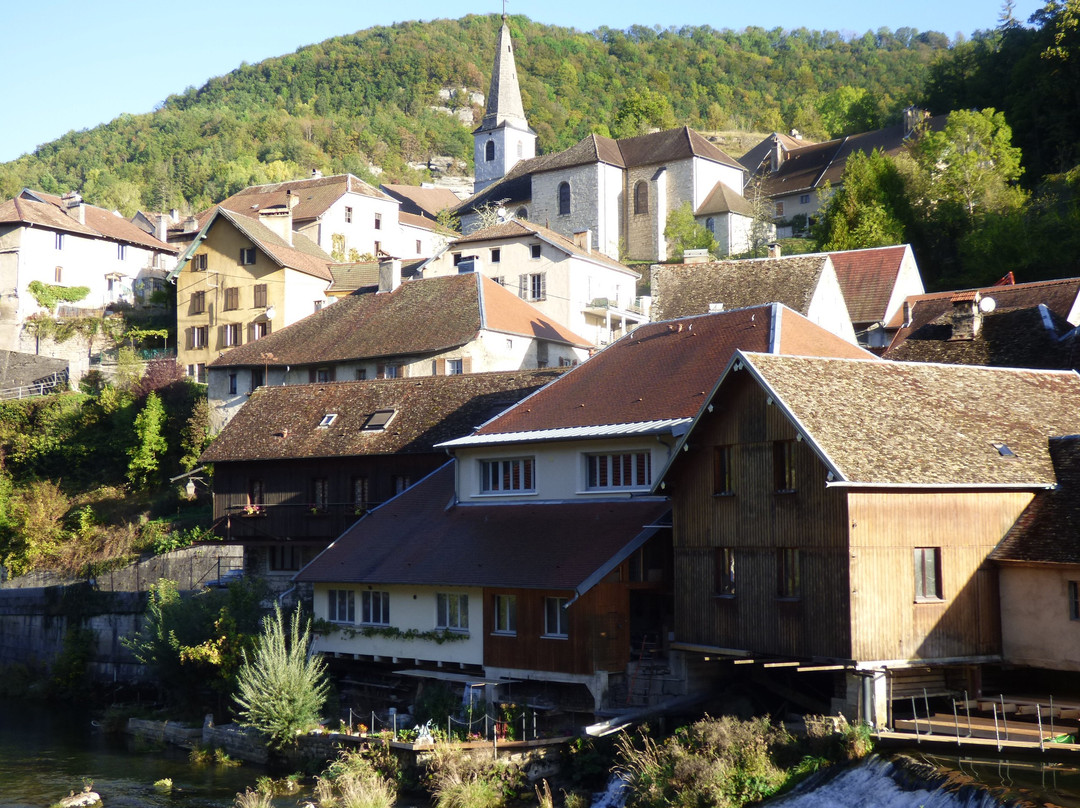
(867, 279)
(419, 317)
(1048, 531)
(671, 144)
(681, 290)
(280, 423)
(422, 201)
(913, 424)
(46, 210)
(1060, 296)
(663, 371)
(419, 538)
(722, 199)
(414, 220)
(352, 276)
(759, 155)
(316, 195)
(1015, 338)
(303, 255)
(515, 228)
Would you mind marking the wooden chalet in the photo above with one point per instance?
(833, 519)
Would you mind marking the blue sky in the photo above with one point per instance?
(72, 64)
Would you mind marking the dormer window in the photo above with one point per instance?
(378, 420)
(327, 419)
(1004, 451)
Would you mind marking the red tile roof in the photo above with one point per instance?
(316, 195)
(422, 201)
(867, 279)
(420, 538)
(303, 254)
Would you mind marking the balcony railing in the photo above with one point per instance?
(288, 521)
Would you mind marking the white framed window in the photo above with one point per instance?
(509, 474)
(199, 336)
(452, 611)
(375, 608)
(328, 419)
(258, 330)
(247, 256)
(623, 470)
(378, 221)
(58, 241)
(532, 286)
(198, 262)
(505, 611)
(534, 250)
(454, 367)
(556, 623)
(348, 214)
(121, 252)
(804, 199)
(230, 335)
(341, 606)
(927, 574)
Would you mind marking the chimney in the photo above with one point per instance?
(907, 313)
(795, 133)
(966, 316)
(583, 240)
(774, 250)
(191, 225)
(698, 256)
(279, 217)
(777, 153)
(389, 275)
(161, 226)
(74, 207)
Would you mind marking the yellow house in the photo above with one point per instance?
(242, 277)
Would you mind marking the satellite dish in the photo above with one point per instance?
(987, 305)
(269, 312)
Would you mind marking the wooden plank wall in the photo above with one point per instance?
(756, 521)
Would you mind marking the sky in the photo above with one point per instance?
(74, 64)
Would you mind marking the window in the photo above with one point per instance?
(379, 419)
(419, 247)
(359, 493)
(230, 335)
(722, 470)
(378, 225)
(514, 474)
(320, 487)
(522, 213)
(454, 367)
(505, 614)
(489, 151)
(533, 286)
(341, 606)
(361, 374)
(121, 252)
(1074, 600)
(927, 573)
(247, 256)
(257, 378)
(322, 375)
(285, 557)
(804, 199)
(198, 262)
(555, 620)
(387, 371)
(348, 214)
(457, 258)
(375, 608)
(784, 466)
(255, 493)
(318, 305)
(58, 274)
(400, 482)
(629, 470)
(787, 572)
(198, 336)
(200, 373)
(378, 248)
(198, 303)
(260, 296)
(641, 197)
(328, 419)
(564, 199)
(232, 384)
(779, 208)
(534, 250)
(58, 241)
(452, 612)
(725, 571)
(259, 330)
(232, 298)
(496, 255)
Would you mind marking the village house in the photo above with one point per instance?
(239, 279)
(875, 283)
(421, 200)
(566, 280)
(62, 243)
(463, 323)
(298, 464)
(619, 191)
(541, 547)
(834, 519)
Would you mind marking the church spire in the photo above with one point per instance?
(504, 97)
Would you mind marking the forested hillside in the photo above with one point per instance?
(365, 99)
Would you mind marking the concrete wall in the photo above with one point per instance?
(1036, 627)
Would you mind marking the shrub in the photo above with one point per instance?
(458, 779)
(253, 799)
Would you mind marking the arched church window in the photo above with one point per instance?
(564, 199)
(710, 224)
(489, 150)
(641, 197)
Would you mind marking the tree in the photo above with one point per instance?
(149, 445)
(281, 690)
(869, 209)
(640, 111)
(683, 232)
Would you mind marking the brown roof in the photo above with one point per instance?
(759, 156)
(913, 424)
(316, 195)
(280, 423)
(1048, 531)
(303, 255)
(46, 210)
(418, 538)
(1060, 296)
(722, 199)
(1015, 338)
(671, 144)
(352, 276)
(419, 317)
(422, 201)
(414, 220)
(665, 370)
(681, 290)
(515, 228)
(867, 279)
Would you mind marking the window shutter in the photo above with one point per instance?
(268, 328)
(440, 367)
(543, 286)
(466, 364)
(190, 338)
(523, 287)
(251, 332)
(221, 335)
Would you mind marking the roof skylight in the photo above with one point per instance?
(327, 419)
(1004, 450)
(379, 419)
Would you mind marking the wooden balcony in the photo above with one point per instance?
(261, 523)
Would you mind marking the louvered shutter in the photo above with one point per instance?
(466, 364)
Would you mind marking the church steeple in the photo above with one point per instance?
(504, 136)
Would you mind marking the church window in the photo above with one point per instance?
(564, 199)
(489, 150)
(710, 224)
(641, 197)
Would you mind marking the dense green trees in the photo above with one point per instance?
(870, 209)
